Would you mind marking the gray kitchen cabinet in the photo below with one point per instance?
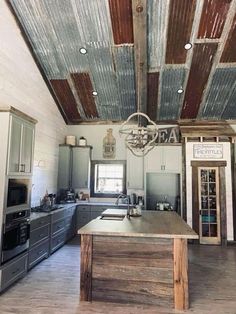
(21, 144)
(70, 222)
(13, 270)
(57, 231)
(81, 159)
(39, 240)
(64, 167)
(135, 167)
(83, 215)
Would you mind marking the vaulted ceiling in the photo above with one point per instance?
(136, 57)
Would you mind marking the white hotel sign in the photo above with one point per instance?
(208, 151)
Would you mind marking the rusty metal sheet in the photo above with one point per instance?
(222, 85)
(122, 21)
(157, 26)
(84, 89)
(229, 52)
(203, 58)
(66, 99)
(171, 100)
(181, 15)
(152, 94)
(213, 18)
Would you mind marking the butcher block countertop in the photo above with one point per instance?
(159, 224)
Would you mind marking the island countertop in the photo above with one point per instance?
(158, 224)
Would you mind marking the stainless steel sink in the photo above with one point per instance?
(116, 218)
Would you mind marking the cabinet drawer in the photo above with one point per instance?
(83, 208)
(13, 271)
(58, 226)
(39, 235)
(37, 223)
(57, 241)
(95, 214)
(38, 253)
(69, 211)
(68, 221)
(57, 215)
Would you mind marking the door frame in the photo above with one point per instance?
(222, 195)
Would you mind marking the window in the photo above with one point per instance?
(108, 178)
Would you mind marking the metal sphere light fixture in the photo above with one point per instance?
(139, 139)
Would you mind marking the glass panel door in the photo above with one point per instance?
(209, 210)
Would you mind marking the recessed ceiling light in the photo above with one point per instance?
(188, 46)
(180, 91)
(83, 51)
(95, 93)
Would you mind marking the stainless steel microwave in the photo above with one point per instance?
(17, 194)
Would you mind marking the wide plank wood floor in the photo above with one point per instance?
(53, 286)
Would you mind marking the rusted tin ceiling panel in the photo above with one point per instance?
(213, 18)
(84, 89)
(203, 57)
(152, 94)
(121, 19)
(181, 15)
(157, 24)
(230, 112)
(66, 99)
(229, 52)
(222, 86)
(171, 100)
(124, 70)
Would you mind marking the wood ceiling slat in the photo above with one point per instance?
(213, 18)
(180, 23)
(84, 89)
(203, 57)
(122, 21)
(229, 52)
(66, 99)
(152, 94)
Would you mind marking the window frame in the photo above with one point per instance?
(92, 180)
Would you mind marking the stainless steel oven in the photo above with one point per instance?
(16, 232)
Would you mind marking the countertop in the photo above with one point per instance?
(159, 224)
(37, 215)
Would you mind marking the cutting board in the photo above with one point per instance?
(113, 212)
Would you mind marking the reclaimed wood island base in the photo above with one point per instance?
(140, 260)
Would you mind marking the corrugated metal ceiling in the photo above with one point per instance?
(57, 29)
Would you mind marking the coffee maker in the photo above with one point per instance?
(67, 196)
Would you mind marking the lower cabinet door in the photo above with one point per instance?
(57, 241)
(38, 253)
(13, 270)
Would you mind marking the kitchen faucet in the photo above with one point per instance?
(125, 197)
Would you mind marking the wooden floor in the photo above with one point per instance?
(53, 286)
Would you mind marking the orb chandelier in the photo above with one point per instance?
(139, 138)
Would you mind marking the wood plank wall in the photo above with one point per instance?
(133, 271)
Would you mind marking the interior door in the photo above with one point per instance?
(209, 205)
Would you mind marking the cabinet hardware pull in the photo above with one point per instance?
(40, 252)
(15, 271)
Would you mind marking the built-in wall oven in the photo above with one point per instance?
(16, 232)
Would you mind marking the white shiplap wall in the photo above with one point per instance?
(22, 87)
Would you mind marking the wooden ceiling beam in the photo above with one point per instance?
(139, 8)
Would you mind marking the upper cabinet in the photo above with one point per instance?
(74, 167)
(166, 159)
(21, 146)
(64, 167)
(134, 171)
(81, 163)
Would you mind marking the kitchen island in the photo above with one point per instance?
(137, 260)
